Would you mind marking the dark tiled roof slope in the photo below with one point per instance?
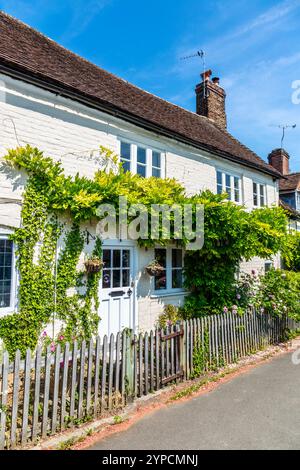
(26, 51)
(290, 183)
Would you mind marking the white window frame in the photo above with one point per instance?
(232, 187)
(259, 185)
(169, 269)
(149, 164)
(12, 307)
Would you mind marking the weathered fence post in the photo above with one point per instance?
(129, 368)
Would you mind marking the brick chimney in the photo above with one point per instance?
(210, 99)
(279, 159)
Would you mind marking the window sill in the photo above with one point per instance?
(158, 295)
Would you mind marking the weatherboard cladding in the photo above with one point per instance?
(32, 56)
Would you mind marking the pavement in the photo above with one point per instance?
(259, 409)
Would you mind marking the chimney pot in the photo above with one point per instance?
(206, 75)
(216, 80)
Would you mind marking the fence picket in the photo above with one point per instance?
(46, 392)
(55, 390)
(81, 379)
(26, 396)
(117, 368)
(4, 393)
(96, 377)
(141, 383)
(111, 371)
(157, 362)
(36, 402)
(146, 361)
(89, 377)
(103, 372)
(64, 386)
(151, 361)
(73, 381)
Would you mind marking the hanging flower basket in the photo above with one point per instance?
(93, 265)
(154, 268)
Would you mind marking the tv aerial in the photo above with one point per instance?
(284, 127)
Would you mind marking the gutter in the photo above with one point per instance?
(103, 106)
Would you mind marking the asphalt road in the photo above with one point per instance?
(257, 410)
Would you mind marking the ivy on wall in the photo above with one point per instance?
(48, 288)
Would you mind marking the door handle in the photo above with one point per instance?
(129, 292)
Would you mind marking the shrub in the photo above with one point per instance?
(169, 316)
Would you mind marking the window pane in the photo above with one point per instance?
(125, 278)
(255, 198)
(117, 259)
(126, 165)
(262, 195)
(116, 278)
(5, 272)
(161, 256)
(106, 279)
(126, 259)
(176, 278)
(228, 185)
(141, 170)
(141, 155)
(176, 258)
(161, 281)
(125, 150)
(107, 258)
(219, 177)
(156, 159)
(156, 172)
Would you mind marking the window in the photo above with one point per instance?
(140, 160)
(268, 266)
(229, 184)
(171, 277)
(236, 181)
(156, 164)
(126, 156)
(219, 182)
(116, 269)
(6, 272)
(259, 195)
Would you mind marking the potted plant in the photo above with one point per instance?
(93, 264)
(154, 268)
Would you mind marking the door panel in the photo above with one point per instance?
(116, 291)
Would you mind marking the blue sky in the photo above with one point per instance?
(254, 47)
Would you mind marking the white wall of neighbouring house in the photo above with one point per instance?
(69, 131)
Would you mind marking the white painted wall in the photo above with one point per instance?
(68, 131)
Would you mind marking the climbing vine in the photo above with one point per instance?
(51, 284)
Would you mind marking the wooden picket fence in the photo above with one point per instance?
(44, 394)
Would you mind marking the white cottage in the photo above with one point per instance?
(67, 106)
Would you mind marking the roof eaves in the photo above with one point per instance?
(34, 77)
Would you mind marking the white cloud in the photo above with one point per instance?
(270, 16)
(82, 13)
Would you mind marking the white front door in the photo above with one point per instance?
(116, 291)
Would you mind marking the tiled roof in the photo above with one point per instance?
(290, 183)
(25, 51)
